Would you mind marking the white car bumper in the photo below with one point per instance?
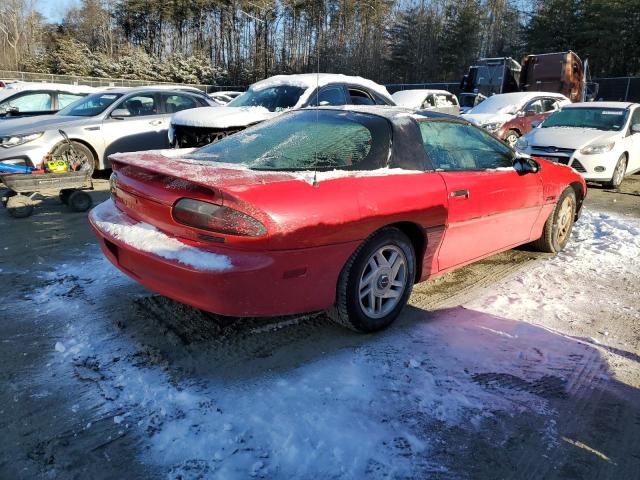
(31, 154)
(598, 167)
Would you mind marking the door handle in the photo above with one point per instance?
(460, 193)
(155, 122)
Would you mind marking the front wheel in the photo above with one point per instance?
(376, 282)
(558, 227)
(512, 138)
(618, 173)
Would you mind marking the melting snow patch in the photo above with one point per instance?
(147, 238)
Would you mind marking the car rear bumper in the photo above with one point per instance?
(255, 284)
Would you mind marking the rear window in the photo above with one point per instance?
(305, 140)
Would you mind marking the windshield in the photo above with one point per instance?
(306, 140)
(274, 99)
(591, 117)
(505, 103)
(90, 106)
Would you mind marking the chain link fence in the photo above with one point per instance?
(105, 82)
(613, 89)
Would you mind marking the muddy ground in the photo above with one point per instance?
(66, 412)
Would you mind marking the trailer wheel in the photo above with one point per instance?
(64, 195)
(19, 206)
(80, 201)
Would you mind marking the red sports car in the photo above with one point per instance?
(329, 209)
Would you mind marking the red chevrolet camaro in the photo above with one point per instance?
(329, 209)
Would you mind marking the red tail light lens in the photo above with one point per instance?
(216, 218)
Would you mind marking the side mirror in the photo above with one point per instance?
(635, 128)
(120, 113)
(524, 165)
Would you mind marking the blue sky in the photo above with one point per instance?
(54, 10)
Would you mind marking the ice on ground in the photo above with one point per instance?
(147, 238)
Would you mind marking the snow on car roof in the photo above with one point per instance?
(311, 80)
(414, 98)
(502, 102)
(25, 86)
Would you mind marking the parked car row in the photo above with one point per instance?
(100, 123)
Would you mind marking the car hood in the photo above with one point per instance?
(222, 117)
(484, 118)
(565, 137)
(22, 125)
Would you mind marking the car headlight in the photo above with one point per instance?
(522, 143)
(15, 140)
(492, 127)
(597, 148)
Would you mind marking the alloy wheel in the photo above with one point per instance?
(383, 281)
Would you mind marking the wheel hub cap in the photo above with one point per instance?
(383, 281)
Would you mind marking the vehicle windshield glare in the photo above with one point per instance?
(91, 105)
(609, 119)
(306, 140)
(274, 99)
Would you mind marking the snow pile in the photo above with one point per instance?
(147, 238)
(561, 290)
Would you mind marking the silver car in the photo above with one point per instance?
(110, 121)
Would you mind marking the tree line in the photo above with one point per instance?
(236, 42)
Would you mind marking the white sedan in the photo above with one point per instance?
(600, 140)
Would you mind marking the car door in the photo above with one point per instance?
(634, 142)
(143, 128)
(491, 206)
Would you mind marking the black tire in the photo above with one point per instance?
(64, 195)
(19, 206)
(511, 135)
(85, 158)
(558, 227)
(350, 309)
(618, 173)
(80, 201)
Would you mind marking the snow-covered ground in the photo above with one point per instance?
(302, 398)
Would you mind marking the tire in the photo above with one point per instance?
(511, 138)
(80, 201)
(19, 206)
(618, 173)
(84, 156)
(557, 229)
(375, 260)
(64, 195)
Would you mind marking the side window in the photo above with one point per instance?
(141, 105)
(65, 99)
(534, 106)
(360, 97)
(635, 118)
(429, 102)
(331, 95)
(549, 105)
(443, 101)
(459, 147)
(28, 102)
(176, 103)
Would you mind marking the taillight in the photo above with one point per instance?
(216, 218)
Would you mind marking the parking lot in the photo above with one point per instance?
(520, 366)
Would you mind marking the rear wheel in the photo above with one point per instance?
(512, 138)
(80, 201)
(559, 225)
(618, 173)
(376, 282)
